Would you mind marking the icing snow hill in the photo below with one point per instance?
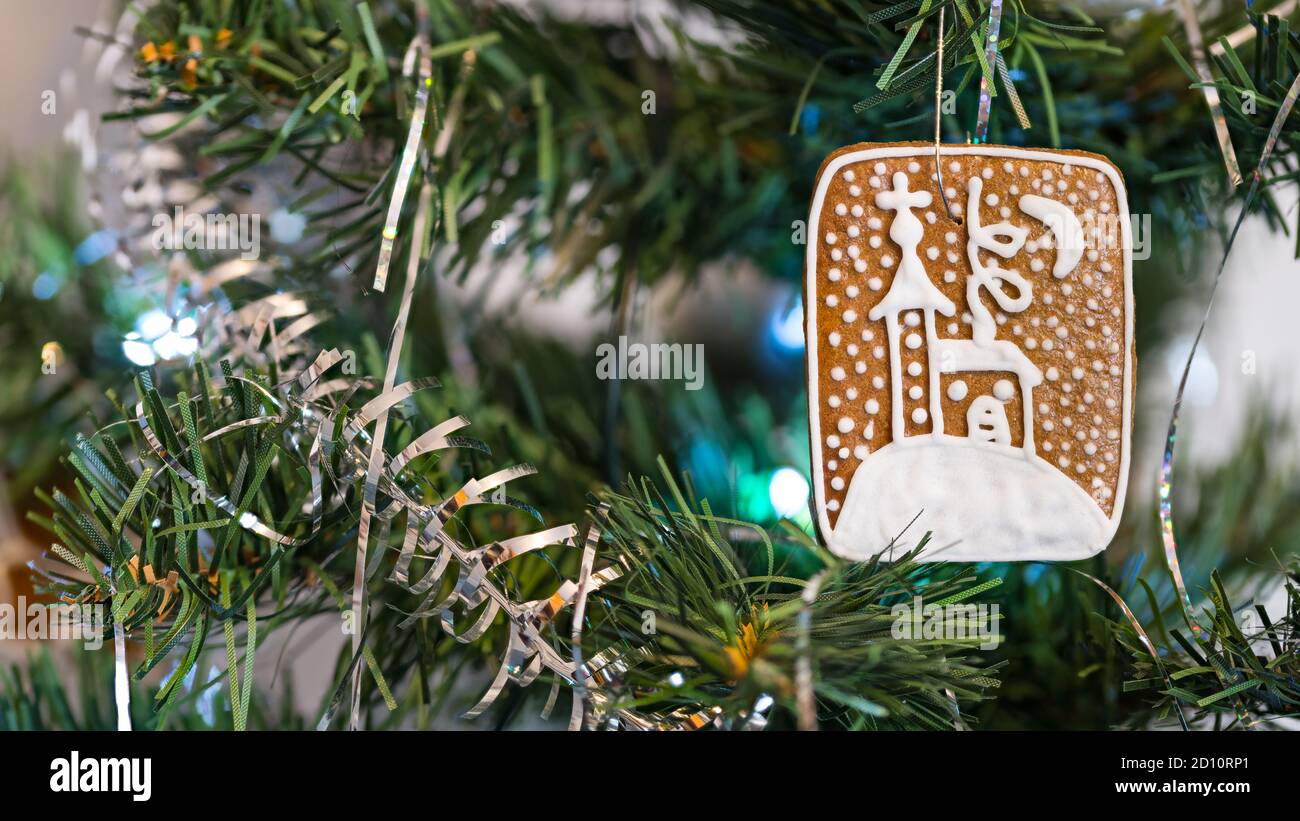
(986, 496)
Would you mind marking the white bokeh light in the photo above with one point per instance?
(788, 492)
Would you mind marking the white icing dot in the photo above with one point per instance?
(914, 369)
(834, 338)
(837, 373)
(957, 390)
(830, 238)
(844, 425)
(915, 392)
(850, 316)
(833, 401)
(919, 415)
(833, 505)
(849, 175)
(874, 283)
(860, 366)
(854, 231)
(1053, 374)
(860, 451)
(874, 223)
(873, 407)
(841, 209)
(832, 441)
(991, 199)
(832, 300)
(887, 261)
(837, 483)
(852, 292)
(833, 275)
(879, 168)
(851, 393)
(912, 319)
(878, 352)
(877, 382)
(913, 341)
(987, 173)
(932, 253)
(1002, 389)
(856, 210)
(874, 241)
(867, 335)
(913, 167)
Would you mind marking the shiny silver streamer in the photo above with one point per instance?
(990, 57)
(579, 616)
(1165, 489)
(395, 344)
(121, 681)
(410, 153)
(1202, 66)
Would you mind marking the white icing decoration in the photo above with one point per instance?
(845, 424)
(957, 390)
(1037, 511)
(986, 421)
(1065, 228)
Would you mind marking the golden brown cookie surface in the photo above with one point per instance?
(974, 364)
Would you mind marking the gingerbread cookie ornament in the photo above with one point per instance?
(970, 365)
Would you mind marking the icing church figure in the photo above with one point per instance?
(912, 291)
